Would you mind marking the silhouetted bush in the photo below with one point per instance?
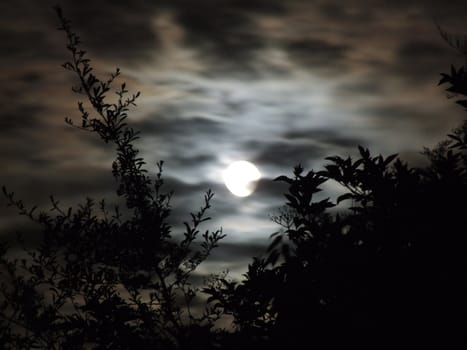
(102, 278)
(389, 271)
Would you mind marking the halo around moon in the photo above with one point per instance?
(241, 178)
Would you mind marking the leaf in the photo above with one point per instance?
(293, 201)
(298, 170)
(364, 152)
(272, 258)
(344, 197)
(284, 179)
(445, 79)
(334, 159)
(274, 243)
(390, 158)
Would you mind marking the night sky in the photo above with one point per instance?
(276, 83)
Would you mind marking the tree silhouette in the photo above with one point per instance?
(102, 278)
(389, 271)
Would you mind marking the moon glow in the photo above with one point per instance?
(241, 177)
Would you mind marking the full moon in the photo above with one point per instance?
(240, 178)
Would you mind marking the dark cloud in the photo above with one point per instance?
(367, 86)
(34, 186)
(383, 48)
(183, 189)
(197, 160)
(268, 190)
(21, 43)
(276, 7)
(237, 251)
(25, 126)
(68, 184)
(189, 197)
(190, 142)
(421, 60)
(420, 50)
(365, 11)
(31, 77)
(330, 138)
(225, 29)
(391, 113)
(15, 119)
(318, 54)
(286, 155)
(225, 32)
(225, 40)
(169, 125)
(351, 13)
(119, 30)
(183, 138)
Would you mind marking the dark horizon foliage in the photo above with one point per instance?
(389, 271)
(107, 278)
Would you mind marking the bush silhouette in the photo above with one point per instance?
(105, 278)
(388, 271)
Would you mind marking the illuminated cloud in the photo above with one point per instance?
(274, 82)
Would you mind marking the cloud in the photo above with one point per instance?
(334, 11)
(22, 42)
(187, 145)
(66, 184)
(318, 54)
(218, 95)
(16, 119)
(329, 138)
(225, 33)
(168, 124)
(117, 30)
(420, 60)
(286, 155)
(366, 85)
(228, 251)
(227, 27)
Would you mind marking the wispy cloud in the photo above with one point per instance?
(274, 82)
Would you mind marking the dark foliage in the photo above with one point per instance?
(105, 278)
(390, 271)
